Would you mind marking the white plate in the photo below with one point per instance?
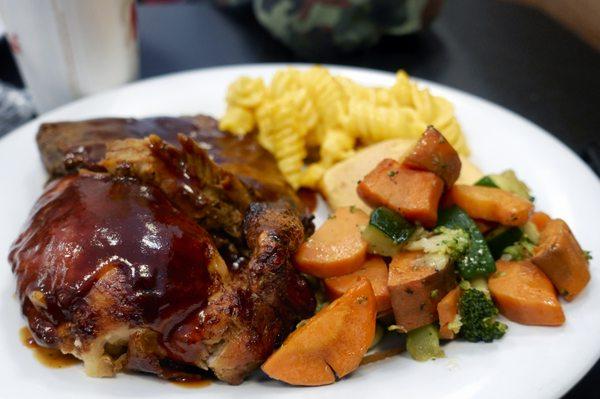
(529, 362)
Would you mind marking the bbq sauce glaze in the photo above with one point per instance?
(85, 227)
(54, 358)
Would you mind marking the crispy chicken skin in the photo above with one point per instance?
(216, 198)
(66, 147)
(108, 269)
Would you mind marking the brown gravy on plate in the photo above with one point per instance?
(49, 357)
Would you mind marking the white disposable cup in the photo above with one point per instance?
(66, 49)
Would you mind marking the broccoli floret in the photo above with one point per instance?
(443, 246)
(444, 241)
(478, 317)
(520, 250)
(523, 248)
(455, 324)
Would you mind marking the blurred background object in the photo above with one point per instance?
(580, 16)
(66, 49)
(326, 27)
(16, 107)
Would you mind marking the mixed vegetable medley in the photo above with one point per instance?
(434, 260)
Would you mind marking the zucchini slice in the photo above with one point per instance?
(387, 231)
(486, 181)
(502, 237)
(507, 181)
(423, 343)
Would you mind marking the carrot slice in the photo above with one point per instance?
(559, 255)
(333, 342)
(337, 247)
(525, 295)
(375, 270)
(412, 193)
(447, 311)
(492, 204)
(416, 288)
(433, 153)
(540, 219)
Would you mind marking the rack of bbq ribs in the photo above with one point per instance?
(161, 245)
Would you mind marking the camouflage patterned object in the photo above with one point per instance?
(322, 27)
(232, 3)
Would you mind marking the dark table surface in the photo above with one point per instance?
(510, 55)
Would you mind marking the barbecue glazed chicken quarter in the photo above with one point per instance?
(161, 253)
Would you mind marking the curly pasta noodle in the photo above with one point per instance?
(376, 95)
(351, 89)
(280, 126)
(401, 90)
(327, 96)
(237, 120)
(284, 81)
(337, 145)
(372, 123)
(432, 110)
(246, 92)
(312, 175)
(302, 109)
(264, 123)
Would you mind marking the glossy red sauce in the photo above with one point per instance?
(85, 226)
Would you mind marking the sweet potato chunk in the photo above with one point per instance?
(559, 255)
(525, 295)
(375, 270)
(337, 247)
(447, 311)
(331, 343)
(433, 153)
(412, 193)
(540, 219)
(491, 204)
(416, 288)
